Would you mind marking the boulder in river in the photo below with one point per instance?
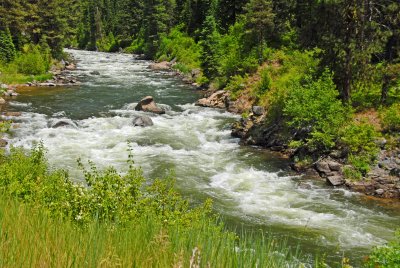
(142, 121)
(95, 73)
(3, 143)
(147, 104)
(63, 123)
(2, 101)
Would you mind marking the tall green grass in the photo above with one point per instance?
(114, 220)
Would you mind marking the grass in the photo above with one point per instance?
(39, 240)
(17, 78)
(119, 220)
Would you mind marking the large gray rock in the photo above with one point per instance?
(323, 167)
(258, 110)
(335, 166)
(147, 104)
(336, 180)
(142, 121)
(160, 66)
(216, 100)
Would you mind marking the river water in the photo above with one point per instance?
(251, 188)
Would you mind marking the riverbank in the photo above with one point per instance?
(383, 180)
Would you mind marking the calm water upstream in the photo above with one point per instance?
(252, 189)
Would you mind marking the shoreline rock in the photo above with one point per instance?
(382, 182)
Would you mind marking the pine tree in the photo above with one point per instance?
(7, 48)
(259, 22)
(209, 42)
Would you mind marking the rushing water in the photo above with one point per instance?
(252, 188)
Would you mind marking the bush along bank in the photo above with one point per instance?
(291, 106)
(111, 216)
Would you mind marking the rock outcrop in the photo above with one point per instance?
(215, 100)
(160, 66)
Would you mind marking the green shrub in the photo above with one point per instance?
(181, 47)
(32, 61)
(108, 44)
(391, 117)
(114, 219)
(236, 84)
(359, 140)
(350, 173)
(387, 256)
(314, 108)
(265, 83)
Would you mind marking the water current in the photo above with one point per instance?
(252, 188)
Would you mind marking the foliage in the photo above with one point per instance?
(313, 108)
(4, 127)
(210, 39)
(359, 141)
(110, 218)
(110, 197)
(386, 256)
(32, 61)
(179, 46)
(391, 117)
(236, 84)
(265, 83)
(7, 48)
(108, 44)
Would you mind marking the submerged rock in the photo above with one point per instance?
(95, 73)
(62, 123)
(142, 121)
(3, 143)
(147, 104)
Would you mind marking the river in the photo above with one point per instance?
(251, 188)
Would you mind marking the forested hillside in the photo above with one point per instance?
(357, 40)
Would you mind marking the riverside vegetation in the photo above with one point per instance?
(328, 88)
(114, 220)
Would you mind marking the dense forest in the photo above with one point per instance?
(357, 40)
(325, 72)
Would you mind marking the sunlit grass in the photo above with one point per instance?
(119, 220)
(31, 238)
(16, 78)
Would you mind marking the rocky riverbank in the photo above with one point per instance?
(62, 76)
(382, 181)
